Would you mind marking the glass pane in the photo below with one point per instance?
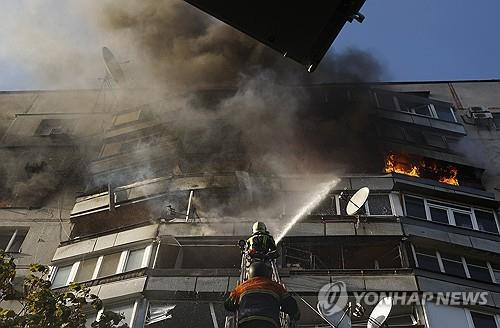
(438, 215)
(444, 113)
(379, 205)
(62, 276)
(415, 207)
(124, 309)
(414, 107)
(482, 320)
(428, 262)
(479, 272)
(86, 270)
(453, 267)
(462, 220)
(486, 221)
(134, 260)
(326, 207)
(422, 109)
(109, 265)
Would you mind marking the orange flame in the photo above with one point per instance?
(452, 179)
(427, 168)
(395, 164)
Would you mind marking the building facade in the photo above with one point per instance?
(150, 213)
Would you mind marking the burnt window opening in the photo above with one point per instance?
(53, 127)
(198, 257)
(341, 254)
(32, 168)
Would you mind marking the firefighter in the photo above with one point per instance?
(260, 241)
(259, 300)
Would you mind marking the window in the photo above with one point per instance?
(126, 310)
(86, 270)
(495, 267)
(460, 216)
(109, 265)
(438, 214)
(444, 112)
(478, 270)
(326, 207)
(453, 264)
(61, 276)
(105, 265)
(50, 127)
(12, 239)
(134, 259)
(427, 259)
(462, 219)
(482, 320)
(125, 118)
(415, 207)
(496, 120)
(379, 205)
(414, 107)
(486, 221)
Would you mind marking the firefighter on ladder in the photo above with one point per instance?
(259, 300)
(261, 241)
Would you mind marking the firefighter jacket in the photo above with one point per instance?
(261, 242)
(261, 299)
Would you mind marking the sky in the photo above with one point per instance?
(413, 39)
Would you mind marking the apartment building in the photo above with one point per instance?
(152, 221)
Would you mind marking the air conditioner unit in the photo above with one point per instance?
(481, 115)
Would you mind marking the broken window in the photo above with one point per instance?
(326, 207)
(210, 257)
(339, 254)
(379, 205)
(125, 309)
(50, 127)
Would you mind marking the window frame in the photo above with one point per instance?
(135, 307)
(470, 322)
(465, 265)
(450, 208)
(120, 268)
(17, 231)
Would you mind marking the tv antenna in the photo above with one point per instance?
(380, 313)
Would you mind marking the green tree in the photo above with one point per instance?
(42, 307)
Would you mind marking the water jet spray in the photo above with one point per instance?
(317, 197)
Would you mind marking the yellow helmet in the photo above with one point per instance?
(259, 227)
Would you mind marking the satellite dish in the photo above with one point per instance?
(338, 319)
(380, 313)
(112, 66)
(357, 201)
